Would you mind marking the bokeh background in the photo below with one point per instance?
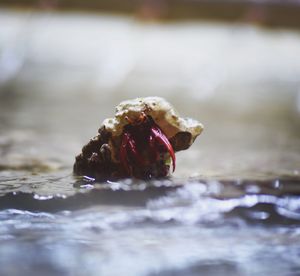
(233, 65)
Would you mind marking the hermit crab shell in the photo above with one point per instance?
(180, 131)
(113, 153)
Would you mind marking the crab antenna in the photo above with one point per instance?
(159, 135)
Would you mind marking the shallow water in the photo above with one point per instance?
(154, 230)
(231, 208)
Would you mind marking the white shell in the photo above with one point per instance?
(162, 112)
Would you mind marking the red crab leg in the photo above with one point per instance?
(153, 149)
(128, 141)
(158, 135)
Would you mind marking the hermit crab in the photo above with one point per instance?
(140, 141)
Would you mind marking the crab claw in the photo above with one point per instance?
(129, 145)
(161, 137)
(152, 147)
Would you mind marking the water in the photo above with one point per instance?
(154, 230)
(231, 208)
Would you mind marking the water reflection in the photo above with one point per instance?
(184, 230)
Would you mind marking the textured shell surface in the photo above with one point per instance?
(161, 111)
(106, 155)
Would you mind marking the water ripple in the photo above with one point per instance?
(188, 230)
(186, 205)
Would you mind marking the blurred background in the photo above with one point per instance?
(233, 65)
(231, 207)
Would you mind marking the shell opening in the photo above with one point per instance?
(145, 150)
